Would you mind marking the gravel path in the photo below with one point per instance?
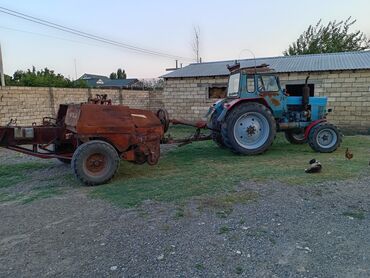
(288, 231)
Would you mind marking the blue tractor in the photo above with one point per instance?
(256, 107)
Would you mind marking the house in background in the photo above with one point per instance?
(343, 77)
(101, 81)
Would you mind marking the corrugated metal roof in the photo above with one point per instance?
(119, 83)
(299, 63)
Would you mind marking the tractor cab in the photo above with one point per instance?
(259, 84)
(252, 82)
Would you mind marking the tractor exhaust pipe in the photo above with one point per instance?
(306, 95)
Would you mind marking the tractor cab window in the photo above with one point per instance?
(267, 83)
(250, 84)
(233, 87)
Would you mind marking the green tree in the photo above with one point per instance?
(334, 37)
(43, 78)
(113, 76)
(121, 74)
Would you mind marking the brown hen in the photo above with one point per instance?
(348, 154)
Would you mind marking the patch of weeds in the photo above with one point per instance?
(180, 213)
(358, 214)
(7, 197)
(272, 240)
(224, 213)
(40, 194)
(15, 173)
(227, 200)
(234, 237)
(165, 227)
(224, 230)
(258, 232)
(242, 221)
(317, 192)
(199, 266)
(142, 213)
(239, 270)
(224, 203)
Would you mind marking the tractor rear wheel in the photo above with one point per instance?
(295, 136)
(249, 129)
(324, 138)
(95, 162)
(216, 131)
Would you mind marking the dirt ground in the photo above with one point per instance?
(321, 230)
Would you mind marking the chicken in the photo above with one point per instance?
(315, 166)
(348, 154)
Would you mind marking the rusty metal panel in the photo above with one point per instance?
(72, 116)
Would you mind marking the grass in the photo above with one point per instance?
(199, 266)
(15, 174)
(40, 194)
(203, 168)
(357, 214)
(239, 270)
(205, 171)
(224, 230)
(12, 174)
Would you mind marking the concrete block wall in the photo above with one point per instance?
(187, 98)
(348, 95)
(30, 104)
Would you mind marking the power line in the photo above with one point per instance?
(88, 35)
(48, 36)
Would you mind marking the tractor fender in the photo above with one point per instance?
(311, 125)
(229, 105)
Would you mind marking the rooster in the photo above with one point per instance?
(315, 166)
(348, 154)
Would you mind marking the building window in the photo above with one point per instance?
(217, 91)
(297, 89)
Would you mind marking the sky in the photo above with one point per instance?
(227, 28)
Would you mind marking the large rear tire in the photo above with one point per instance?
(249, 129)
(216, 131)
(95, 162)
(295, 136)
(325, 138)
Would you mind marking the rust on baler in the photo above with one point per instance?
(135, 133)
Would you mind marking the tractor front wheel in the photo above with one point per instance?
(295, 136)
(249, 129)
(95, 162)
(324, 138)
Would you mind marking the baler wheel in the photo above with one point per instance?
(95, 162)
(249, 129)
(325, 138)
(295, 136)
(164, 118)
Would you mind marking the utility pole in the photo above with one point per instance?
(75, 69)
(2, 69)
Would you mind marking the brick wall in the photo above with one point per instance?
(188, 98)
(29, 104)
(348, 95)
